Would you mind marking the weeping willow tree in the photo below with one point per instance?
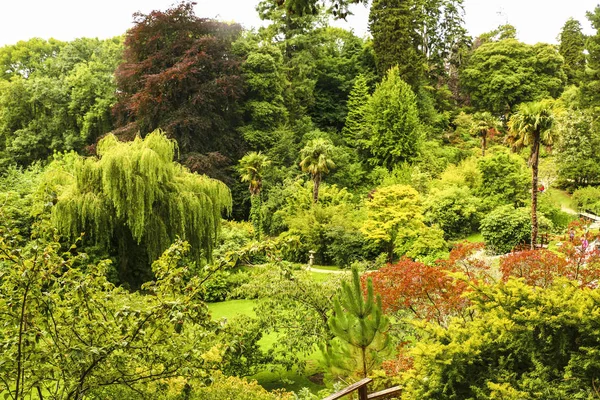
(134, 201)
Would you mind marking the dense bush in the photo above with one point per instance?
(454, 210)
(506, 227)
(521, 343)
(587, 199)
(504, 180)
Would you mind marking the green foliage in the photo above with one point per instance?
(502, 74)
(591, 82)
(70, 333)
(421, 37)
(572, 46)
(394, 218)
(316, 160)
(359, 327)
(587, 199)
(506, 227)
(455, 210)
(56, 101)
(330, 228)
(394, 130)
(578, 162)
(229, 387)
(17, 196)
(523, 343)
(135, 195)
(504, 180)
(355, 128)
(295, 306)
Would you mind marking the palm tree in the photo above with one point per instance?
(316, 160)
(251, 168)
(531, 126)
(484, 124)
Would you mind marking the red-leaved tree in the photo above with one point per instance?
(536, 267)
(180, 75)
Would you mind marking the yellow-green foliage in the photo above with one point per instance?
(138, 186)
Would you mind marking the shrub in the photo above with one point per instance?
(588, 199)
(506, 227)
(454, 210)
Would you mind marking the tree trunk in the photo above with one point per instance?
(364, 361)
(535, 155)
(316, 183)
(483, 143)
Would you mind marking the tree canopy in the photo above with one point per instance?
(135, 196)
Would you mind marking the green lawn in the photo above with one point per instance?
(561, 198)
(476, 237)
(278, 379)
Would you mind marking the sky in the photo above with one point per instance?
(535, 20)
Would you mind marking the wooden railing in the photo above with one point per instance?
(361, 388)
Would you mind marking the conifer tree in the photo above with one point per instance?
(359, 327)
(354, 129)
(394, 128)
(590, 89)
(572, 46)
(134, 201)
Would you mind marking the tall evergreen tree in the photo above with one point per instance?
(572, 46)
(359, 327)
(420, 36)
(354, 129)
(394, 129)
(395, 26)
(590, 89)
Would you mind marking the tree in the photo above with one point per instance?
(500, 75)
(359, 327)
(68, 333)
(134, 201)
(536, 267)
(523, 342)
(294, 305)
(531, 126)
(591, 82)
(316, 160)
(578, 163)
(180, 75)
(455, 210)
(421, 37)
(355, 127)
(505, 228)
(394, 130)
(485, 125)
(393, 216)
(251, 168)
(504, 180)
(60, 101)
(395, 27)
(428, 292)
(572, 46)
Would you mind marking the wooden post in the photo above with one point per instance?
(362, 393)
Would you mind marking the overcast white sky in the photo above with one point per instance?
(535, 20)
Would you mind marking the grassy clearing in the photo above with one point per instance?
(476, 237)
(277, 378)
(562, 198)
